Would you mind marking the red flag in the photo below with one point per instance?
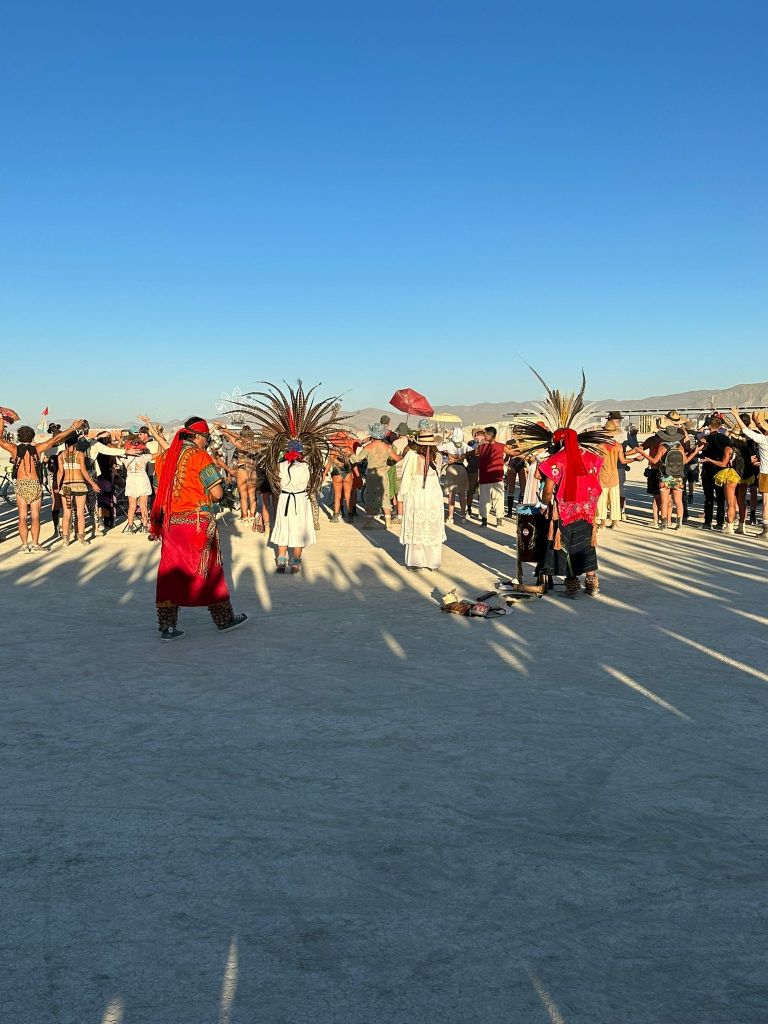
(45, 411)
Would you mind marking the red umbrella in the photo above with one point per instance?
(411, 403)
(8, 414)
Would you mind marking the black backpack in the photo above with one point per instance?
(673, 463)
(23, 450)
(737, 459)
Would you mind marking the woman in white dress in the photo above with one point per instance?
(293, 526)
(138, 486)
(423, 528)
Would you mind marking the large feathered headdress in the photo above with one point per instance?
(558, 413)
(288, 425)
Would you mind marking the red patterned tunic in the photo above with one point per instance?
(587, 487)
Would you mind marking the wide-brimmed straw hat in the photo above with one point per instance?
(761, 418)
(673, 419)
(426, 437)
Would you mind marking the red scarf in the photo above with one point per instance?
(574, 464)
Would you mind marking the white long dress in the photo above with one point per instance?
(292, 525)
(423, 529)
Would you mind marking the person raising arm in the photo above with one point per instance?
(74, 480)
(155, 431)
(27, 472)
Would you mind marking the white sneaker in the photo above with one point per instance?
(728, 528)
(24, 548)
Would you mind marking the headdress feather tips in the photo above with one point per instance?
(291, 420)
(559, 411)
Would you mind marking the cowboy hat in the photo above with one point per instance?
(614, 415)
(673, 419)
(669, 434)
(403, 430)
(761, 418)
(426, 437)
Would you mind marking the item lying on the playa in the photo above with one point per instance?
(481, 609)
(512, 588)
(506, 586)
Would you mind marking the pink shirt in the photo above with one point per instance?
(587, 487)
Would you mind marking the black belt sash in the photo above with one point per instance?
(292, 494)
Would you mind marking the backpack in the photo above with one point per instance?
(23, 450)
(737, 462)
(673, 463)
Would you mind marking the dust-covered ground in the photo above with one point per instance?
(358, 809)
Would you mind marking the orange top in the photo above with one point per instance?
(195, 473)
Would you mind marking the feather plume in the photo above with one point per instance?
(559, 411)
(281, 415)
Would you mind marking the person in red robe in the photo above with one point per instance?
(183, 517)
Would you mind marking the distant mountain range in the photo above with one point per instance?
(743, 395)
(747, 396)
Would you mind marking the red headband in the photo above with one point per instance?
(198, 427)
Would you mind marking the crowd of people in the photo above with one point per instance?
(564, 469)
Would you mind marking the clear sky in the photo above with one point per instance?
(379, 194)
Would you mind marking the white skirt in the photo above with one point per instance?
(137, 484)
(292, 524)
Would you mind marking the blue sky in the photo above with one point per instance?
(196, 196)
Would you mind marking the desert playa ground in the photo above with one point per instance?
(358, 809)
